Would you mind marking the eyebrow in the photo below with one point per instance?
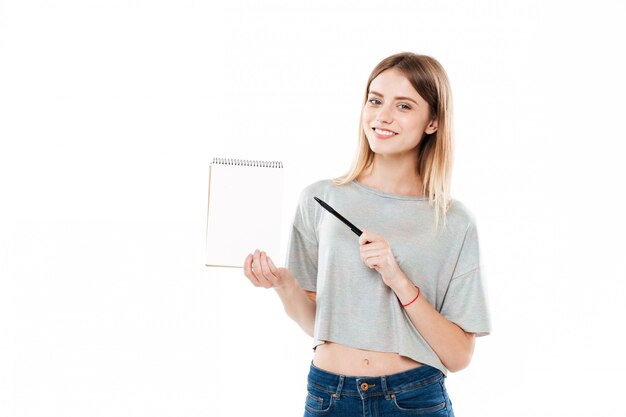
(397, 98)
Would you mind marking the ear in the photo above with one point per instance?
(432, 126)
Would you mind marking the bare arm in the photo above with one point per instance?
(453, 345)
(298, 303)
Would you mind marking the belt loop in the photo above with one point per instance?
(383, 382)
(337, 394)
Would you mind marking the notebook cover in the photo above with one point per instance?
(244, 210)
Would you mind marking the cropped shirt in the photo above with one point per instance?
(354, 306)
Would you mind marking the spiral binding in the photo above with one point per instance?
(247, 162)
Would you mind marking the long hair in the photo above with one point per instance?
(436, 150)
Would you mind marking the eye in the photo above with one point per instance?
(406, 107)
(373, 99)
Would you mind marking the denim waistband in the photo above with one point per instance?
(367, 386)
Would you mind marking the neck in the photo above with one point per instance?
(393, 175)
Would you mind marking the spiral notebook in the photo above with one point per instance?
(244, 211)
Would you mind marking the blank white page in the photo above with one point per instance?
(244, 211)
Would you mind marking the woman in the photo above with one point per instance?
(391, 312)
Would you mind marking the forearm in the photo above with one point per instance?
(453, 345)
(298, 305)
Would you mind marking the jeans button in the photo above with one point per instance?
(364, 386)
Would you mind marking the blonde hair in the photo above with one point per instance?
(435, 151)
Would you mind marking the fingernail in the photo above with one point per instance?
(256, 251)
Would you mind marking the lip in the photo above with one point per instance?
(383, 136)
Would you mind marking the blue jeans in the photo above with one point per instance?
(420, 391)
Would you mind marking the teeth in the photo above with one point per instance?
(383, 132)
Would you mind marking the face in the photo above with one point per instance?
(395, 117)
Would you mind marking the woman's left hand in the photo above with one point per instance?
(376, 253)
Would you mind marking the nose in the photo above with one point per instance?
(383, 115)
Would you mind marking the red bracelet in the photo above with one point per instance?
(413, 300)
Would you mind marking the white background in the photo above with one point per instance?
(110, 112)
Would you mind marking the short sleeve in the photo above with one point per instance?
(465, 302)
(302, 247)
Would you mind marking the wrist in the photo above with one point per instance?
(406, 292)
(288, 285)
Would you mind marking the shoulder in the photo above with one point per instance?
(460, 212)
(459, 217)
(320, 187)
(308, 211)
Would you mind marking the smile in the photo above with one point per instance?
(383, 133)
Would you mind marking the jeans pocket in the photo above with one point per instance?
(318, 401)
(424, 400)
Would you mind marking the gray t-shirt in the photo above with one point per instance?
(354, 306)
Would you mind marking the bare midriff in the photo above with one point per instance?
(345, 360)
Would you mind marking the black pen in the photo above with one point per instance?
(340, 217)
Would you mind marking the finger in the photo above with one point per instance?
(247, 271)
(263, 271)
(258, 271)
(363, 239)
(366, 256)
(368, 237)
(267, 273)
(369, 265)
(272, 266)
(372, 247)
(372, 255)
(372, 261)
(274, 270)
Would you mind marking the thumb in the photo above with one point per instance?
(365, 237)
(272, 266)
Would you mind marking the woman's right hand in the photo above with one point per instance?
(262, 272)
